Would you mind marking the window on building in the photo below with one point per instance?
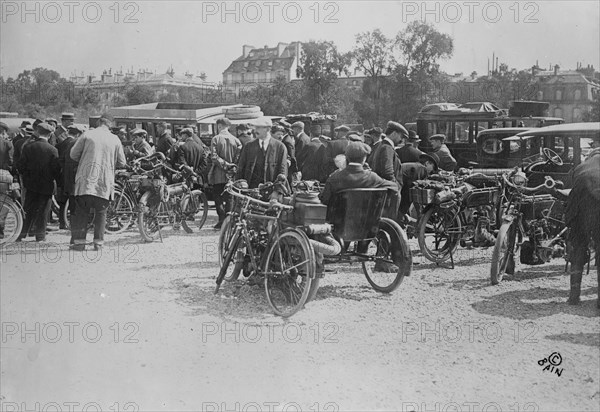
(577, 94)
(354, 83)
(558, 112)
(558, 95)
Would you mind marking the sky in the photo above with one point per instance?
(205, 36)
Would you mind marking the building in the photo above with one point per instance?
(111, 86)
(262, 66)
(571, 93)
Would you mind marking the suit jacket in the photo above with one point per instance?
(18, 145)
(225, 149)
(99, 153)
(39, 166)
(300, 141)
(290, 146)
(275, 162)
(409, 154)
(447, 162)
(164, 143)
(6, 154)
(370, 156)
(313, 154)
(68, 166)
(386, 162)
(354, 176)
(192, 154)
(584, 199)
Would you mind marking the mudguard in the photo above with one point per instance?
(398, 238)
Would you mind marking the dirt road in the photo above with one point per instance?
(138, 327)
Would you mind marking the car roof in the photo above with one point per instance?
(591, 129)
(503, 130)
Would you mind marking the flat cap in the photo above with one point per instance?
(430, 156)
(76, 128)
(342, 128)
(25, 123)
(357, 151)
(262, 122)
(45, 128)
(355, 137)
(67, 116)
(396, 127)
(187, 130)
(3, 126)
(297, 125)
(376, 131)
(138, 131)
(51, 120)
(440, 137)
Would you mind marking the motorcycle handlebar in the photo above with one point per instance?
(273, 204)
(549, 184)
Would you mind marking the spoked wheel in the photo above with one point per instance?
(289, 271)
(149, 218)
(226, 241)
(120, 213)
(194, 208)
(503, 256)
(233, 261)
(11, 220)
(439, 232)
(388, 264)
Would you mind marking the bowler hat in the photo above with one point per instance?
(357, 151)
(24, 124)
(413, 136)
(45, 128)
(342, 128)
(431, 157)
(440, 137)
(67, 116)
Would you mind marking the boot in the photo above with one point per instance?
(575, 279)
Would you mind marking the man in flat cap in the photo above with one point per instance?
(39, 167)
(300, 139)
(409, 153)
(386, 164)
(225, 151)
(447, 161)
(263, 159)
(68, 167)
(354, 175)
(140, 147)
(190, 153)
(99, 153)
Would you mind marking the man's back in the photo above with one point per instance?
(99, 153)
(6, 154)
(39, 166)
(386, 162)
(164, 143)
(447, 161)
(353, 177)
(408, 154)
(192, 154)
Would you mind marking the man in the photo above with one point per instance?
(278, 132)
(164, 141)
(225, 150)
(354, 175)
(413, 171)
(122, 135)
(313, 154)
(373, 138)
(447, 162)
(336, 147)
(68, 167)
(66, 120)
(300, 139)
(18, 146)
(140, 147)
(54, 123)
(244, 134)
(409, 153)
(583, 218)
(387, 164)
(39, 168)
(264, 159)
(99, 153)
(6, 149)
(190, 153)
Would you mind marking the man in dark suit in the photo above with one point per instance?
(263, 159)
(66, 184)
(39, 167)
(409, 153)
(373, 139)
(314, 158)
(300, 138)
(354, 176)
(190, 153)
(387, 164)
(164, 141)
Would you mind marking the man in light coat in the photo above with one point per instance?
(99, 153)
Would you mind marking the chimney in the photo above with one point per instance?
(246, 50)
(281, 48)
(556, 67)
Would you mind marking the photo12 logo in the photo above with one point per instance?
(469, 11)
(69, 11)
(552, 361)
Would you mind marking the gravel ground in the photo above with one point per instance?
(137, 327)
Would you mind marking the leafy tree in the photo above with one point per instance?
(139, 94)
(594, 114)
(422, 46)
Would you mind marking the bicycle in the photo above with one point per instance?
(265, 247)
(12, 215)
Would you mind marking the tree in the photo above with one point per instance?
(373, 53)
(422, 46)
(139, 94)
(320, 65)
(594, 114)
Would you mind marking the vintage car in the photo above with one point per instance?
(494, 151)
(561, 148)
